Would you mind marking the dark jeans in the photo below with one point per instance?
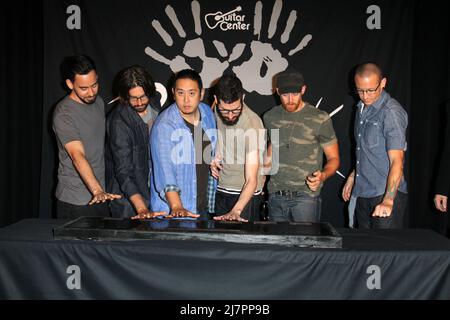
(225, 202)
(298, 208)
(365, 207)
(66, 210)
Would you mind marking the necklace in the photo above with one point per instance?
(291, 126)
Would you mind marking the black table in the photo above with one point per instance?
(389, 264)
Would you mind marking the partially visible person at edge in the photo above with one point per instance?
(443, 177)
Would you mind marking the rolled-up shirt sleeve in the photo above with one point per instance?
(394, 130)
(164, 171)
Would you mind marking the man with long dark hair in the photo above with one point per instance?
(127, 151)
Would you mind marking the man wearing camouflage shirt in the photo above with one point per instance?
(299, 136)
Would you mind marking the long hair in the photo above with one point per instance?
(132, 77)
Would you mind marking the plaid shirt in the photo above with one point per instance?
(211, 193)
(173, 159)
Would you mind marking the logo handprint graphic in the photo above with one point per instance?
(256, 73)
(212, 67)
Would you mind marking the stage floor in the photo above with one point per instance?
(389, 264)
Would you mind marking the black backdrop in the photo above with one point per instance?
(411, 46)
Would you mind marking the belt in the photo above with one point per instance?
(288, 193)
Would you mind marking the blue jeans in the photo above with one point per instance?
(297, 208)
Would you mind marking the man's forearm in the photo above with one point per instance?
(246, 195)
(333, 161)
(267, 160)
(330, 168)
(86, 173)
(174, 200)
(251, 181)
(393, 181)
(352, 174)
(138, 203)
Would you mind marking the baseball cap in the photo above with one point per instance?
(289, 81)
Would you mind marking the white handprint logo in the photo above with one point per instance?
(212, 67)
(256, 74)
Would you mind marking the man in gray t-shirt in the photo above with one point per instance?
(79, 125)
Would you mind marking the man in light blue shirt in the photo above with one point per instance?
(182, 143)
(380, 133)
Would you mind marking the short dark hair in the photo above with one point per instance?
(368, 68)
(78, 64)
(188, 74)
(229, 89)
(135, 76)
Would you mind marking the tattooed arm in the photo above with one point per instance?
(384, 209)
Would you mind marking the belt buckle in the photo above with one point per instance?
(287, 193)
(291, 193)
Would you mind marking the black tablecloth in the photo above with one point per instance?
(384, 264)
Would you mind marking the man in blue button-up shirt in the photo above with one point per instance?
(182, 143)
(380, 133)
